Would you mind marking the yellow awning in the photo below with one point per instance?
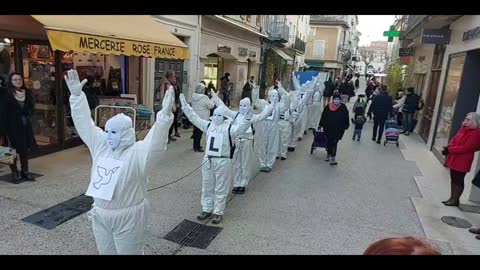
(135, 35)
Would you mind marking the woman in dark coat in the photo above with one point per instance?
(19, 124)
(328, 92)
(334, 122)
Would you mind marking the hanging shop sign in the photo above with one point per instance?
(435, 36)
(405, 52)
(68, 41)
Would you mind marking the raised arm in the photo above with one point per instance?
(296, 83)
(151, 148)
(284, 104)
(264, 114)
(192, 116)
(219, 103)
(90, 134)
(256, 99)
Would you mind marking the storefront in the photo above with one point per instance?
(228, 48)
(458, 91)
(113, 66)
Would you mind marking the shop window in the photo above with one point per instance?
(210, 74)
(39, 77)
(448, 102)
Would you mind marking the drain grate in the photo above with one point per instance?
(470, 208)
(8, 177)
(457, 222)
(52, 217)
(192, 234)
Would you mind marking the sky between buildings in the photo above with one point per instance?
(372, 27)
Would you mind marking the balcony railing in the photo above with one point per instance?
(277, 28)
(299, 45)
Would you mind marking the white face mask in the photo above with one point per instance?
(115, 129)
(244, 106)
(217, 117)
(273, 96)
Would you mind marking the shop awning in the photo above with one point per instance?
(227, 56)
(283, 55)
(132, 35)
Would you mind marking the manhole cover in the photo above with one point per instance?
(8, 177)
(60, 213)
(192, 234)
(457, 222)
(470, 208)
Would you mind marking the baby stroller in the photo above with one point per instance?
(319, 140)
(392, 131)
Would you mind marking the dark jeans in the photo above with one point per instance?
(407, 121)
(357, 132)
(226, 98)
(332, 146)
(378, 126)
(174, 124)
(197, 137)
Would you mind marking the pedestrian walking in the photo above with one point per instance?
(225, 89)
(171, 80)
(334, 122)
(248, 88)
(381, 107)
(328, 92)
(358, 120)
(459, 155)
(411, 105)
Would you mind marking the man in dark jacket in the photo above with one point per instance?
(409, 108)
(328, 92)
(381, 107)
(224, 88)
(248, 88)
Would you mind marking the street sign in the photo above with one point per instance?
(391, 33)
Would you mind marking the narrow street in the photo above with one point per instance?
(304, 206)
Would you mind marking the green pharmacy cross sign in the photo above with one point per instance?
(391, 33)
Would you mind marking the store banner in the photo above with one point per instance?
(68, 41)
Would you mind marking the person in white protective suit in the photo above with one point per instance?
(270, 134)
(299, 113)
(201, 105)
(285, 123)
(120, 169)
(315, 109)
(244, 151)
(217, 163)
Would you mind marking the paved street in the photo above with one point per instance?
(304, 206)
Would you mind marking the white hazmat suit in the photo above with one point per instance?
(119, 220)
(315, 109)
(303, 95)
(217, 164)
(244, 152)
(270, 133)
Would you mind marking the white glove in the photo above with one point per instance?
(168, 99)
(183, 101)
(73, 82)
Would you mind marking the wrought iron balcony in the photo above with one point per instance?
(277, 28)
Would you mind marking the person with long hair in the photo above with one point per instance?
(19, 109)
(459, 154)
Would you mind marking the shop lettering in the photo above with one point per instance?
(141, 49)
(104, 44)
(164, 51)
